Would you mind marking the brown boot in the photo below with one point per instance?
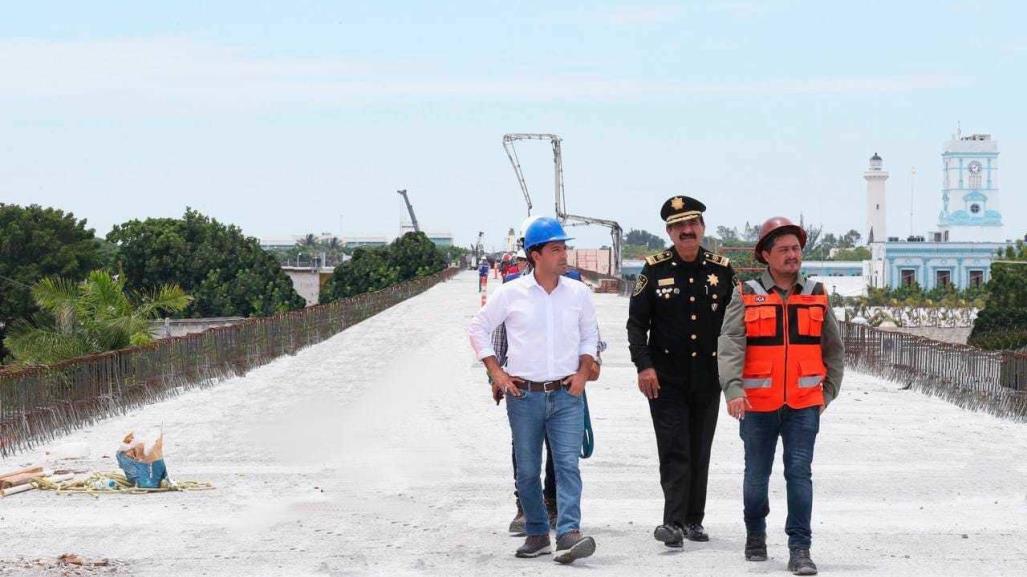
(517, 525)
(534, 546)
(572, 545)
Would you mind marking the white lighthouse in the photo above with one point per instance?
(875, 177)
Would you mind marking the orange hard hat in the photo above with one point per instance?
(778, 225)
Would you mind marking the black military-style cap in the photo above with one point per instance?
(681, 208)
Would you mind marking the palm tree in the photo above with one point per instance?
(92, 316)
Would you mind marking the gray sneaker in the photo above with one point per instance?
(571, 546)
(534, 546)
(799, 562)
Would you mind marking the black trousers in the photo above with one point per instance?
(685, 418)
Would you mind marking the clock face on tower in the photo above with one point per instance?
(975, 208)
(974, 167)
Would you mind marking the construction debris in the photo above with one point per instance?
(66, 565)
(115, 482)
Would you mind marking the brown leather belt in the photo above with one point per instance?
(540, 387)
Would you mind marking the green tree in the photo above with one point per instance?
(414, 255)
(409, 256)
(728, 235)
(644, 238)
(1002, 324)
(91, 316)
(634, 251)
(226, 273)
(856, 253)
(369, 269)
(850, 239)
(37, 242)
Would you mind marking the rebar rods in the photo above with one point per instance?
(39, 403)
(972, 378)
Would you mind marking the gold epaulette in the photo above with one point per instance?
(659, 257)
(717, 259)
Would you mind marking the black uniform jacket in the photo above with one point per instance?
(676, 311)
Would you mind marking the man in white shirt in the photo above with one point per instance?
(552, 337)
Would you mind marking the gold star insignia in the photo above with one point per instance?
(677, 203)
(713, 280)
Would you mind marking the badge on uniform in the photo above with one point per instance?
(639, 285)
(713, 280)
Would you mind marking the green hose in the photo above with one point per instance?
(588, 440)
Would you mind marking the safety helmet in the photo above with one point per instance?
(777, 224)
(544, 229)
(525, 224)
(521, 255)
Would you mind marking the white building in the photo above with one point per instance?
(971, 234)
(970, 198)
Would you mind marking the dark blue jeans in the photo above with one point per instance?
(798, 432)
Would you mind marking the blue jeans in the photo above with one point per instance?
(798, 432)
(560, 417)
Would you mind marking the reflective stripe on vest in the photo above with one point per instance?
(783, 357)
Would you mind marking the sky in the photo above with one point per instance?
(289, 118)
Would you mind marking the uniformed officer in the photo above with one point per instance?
(674, 320)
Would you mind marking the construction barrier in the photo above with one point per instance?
(973, 378)
(39, 403)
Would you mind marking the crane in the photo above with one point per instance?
(616, 232)
(410, 209)
(479, 250)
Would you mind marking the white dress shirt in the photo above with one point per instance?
(546, 332)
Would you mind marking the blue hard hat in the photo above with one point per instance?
(543, 230)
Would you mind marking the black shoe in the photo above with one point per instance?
(517, 525)
(756, 547)
(695, 532)
(571, 546)
(551, 510)
(799, 562)
(534, 546)
(670, 535)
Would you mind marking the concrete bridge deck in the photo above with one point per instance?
(380, 451)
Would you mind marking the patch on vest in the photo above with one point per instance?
(761, 299)
(639, 285)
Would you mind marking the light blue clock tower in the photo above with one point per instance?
(970, 223)
(970, 198)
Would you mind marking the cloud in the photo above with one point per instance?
(646, 15)
(149, 72)
(641, 15)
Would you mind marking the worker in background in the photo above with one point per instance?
(483, 274)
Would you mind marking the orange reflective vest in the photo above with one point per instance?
(783, 360)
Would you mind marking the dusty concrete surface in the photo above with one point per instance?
(380, 452)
